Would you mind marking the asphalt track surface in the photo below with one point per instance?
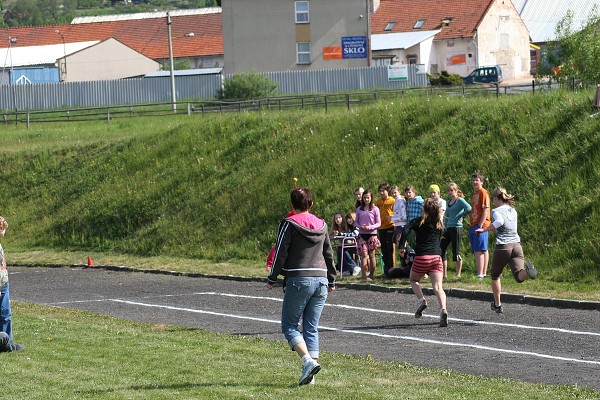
(526, 342)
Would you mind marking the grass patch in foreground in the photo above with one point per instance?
(81, 355)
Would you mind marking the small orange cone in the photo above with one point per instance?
(90, 262)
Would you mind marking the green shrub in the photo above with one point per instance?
(445, 79)
(247, 86)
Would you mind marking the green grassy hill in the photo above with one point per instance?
(216, 187)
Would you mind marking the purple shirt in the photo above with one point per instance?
(370, 218)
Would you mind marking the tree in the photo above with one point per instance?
(576, 53)
(39, 12)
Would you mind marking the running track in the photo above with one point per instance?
(530, 343)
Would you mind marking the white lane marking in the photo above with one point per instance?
(371, 310)
(354, 331)
(375, 310)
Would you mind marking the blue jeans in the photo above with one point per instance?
(304, 298)
(5, 312)
(349, 263)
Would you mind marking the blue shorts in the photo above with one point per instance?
(479, 241)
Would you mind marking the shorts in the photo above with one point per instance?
(367, 243)
(479, 241)
(428, 264)
(510, 254)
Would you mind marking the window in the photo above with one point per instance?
(389, 26)
(303, 53)
(302, 12)
(419, 24)
(383, 62)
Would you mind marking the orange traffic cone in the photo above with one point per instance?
(90, 262)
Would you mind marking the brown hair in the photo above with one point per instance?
(362, 201)
(431, 213)
(301, 199)
(3, 223)
(341, 227)
(504, 196)
(479, 175)
(454, 186)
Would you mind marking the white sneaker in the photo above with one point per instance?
(310, 369)
(356, 271)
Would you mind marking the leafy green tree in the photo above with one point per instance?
(576, 52)
(247, 86)
(39, 12)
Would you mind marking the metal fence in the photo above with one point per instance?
(46, 96)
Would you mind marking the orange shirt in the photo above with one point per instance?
(480, 199)
(386, 209)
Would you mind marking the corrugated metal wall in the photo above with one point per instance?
(193, 87)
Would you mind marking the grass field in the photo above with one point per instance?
(205, 194)
(80, 355)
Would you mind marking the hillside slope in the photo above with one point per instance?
(216, 187)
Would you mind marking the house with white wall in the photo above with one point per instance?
(458, 35)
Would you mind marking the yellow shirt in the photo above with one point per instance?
(386, 210)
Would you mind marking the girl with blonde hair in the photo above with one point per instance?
(508, 249)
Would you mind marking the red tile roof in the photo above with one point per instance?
(147, 36)
(465, 16)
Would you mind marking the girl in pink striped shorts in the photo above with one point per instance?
(428, 256)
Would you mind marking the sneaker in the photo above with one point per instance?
(356, 271)
(347, 273)
(496, 308)
(443, 319)
(308, 371)
(421, 308)
(312, 381)
(530, 269)
(16, 347)
(480, 276)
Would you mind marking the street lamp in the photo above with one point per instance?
(173, 99)
(63, 70)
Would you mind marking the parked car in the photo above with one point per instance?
(491, 74)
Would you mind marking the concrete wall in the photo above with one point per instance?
(106, 60)
(261, 35)
(503, 39)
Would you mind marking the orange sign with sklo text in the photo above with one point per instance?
(332, 53)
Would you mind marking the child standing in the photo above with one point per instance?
(5, 310)
(457, 208)
(367, 221)
(385, 232)
(428, 256)
(508, 249)
(414, 209)
(480, 219)
(434, 193)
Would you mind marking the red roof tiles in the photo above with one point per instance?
(465, 16)
(147, 36)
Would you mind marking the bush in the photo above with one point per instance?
(445, 79)
(247, 86)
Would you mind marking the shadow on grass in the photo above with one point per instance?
(174, 386)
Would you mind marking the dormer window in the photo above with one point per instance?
(390, 26)
(419, 24)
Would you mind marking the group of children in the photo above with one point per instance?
(430, 226)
